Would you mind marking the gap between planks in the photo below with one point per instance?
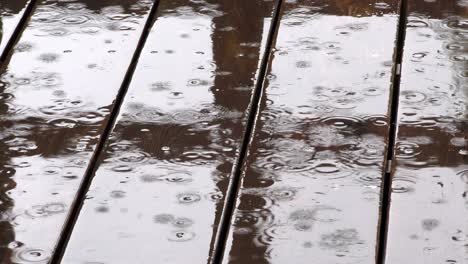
(8, 51)
(392, 133)
(234, 184)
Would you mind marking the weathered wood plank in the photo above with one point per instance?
(55, 95)
(429, 203)
(11, 13)
(311, 184)
(159, 191)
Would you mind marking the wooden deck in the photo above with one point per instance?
(234, 131)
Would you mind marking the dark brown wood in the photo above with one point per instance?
(160, 187)
(55, 96)
(429, 203)
(311, 184)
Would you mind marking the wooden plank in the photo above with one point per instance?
(55, 97)
(11, 13)
(311, 183)
(429, 203)
(158, 193)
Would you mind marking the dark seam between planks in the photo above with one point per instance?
(91, 169)
(234, 183)
(8, 51)
(392, 134)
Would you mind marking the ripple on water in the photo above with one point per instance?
(403, 184)
(342, 122)
(45, 210)
(376, 120)
(411, 97)
(456, 23)
(75, 19)
(331, 169)
(30, 255)
(134, 157)
(188, 198)
(270, 234)
(63, 122)
(253, 219)
(340, 239)
(282, 194)
(416, 23)
(369, 178)
(463, 175)
(407, 150)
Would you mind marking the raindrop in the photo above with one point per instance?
(182, 222)
(178, 177)
(79, 19)
(187, 198)
(181, 236)
(52, 170)
(176, 95)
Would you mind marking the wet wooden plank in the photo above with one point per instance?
(11, 13)
(159, 191)
(429, 203)
(311, 184)
(55, 96)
